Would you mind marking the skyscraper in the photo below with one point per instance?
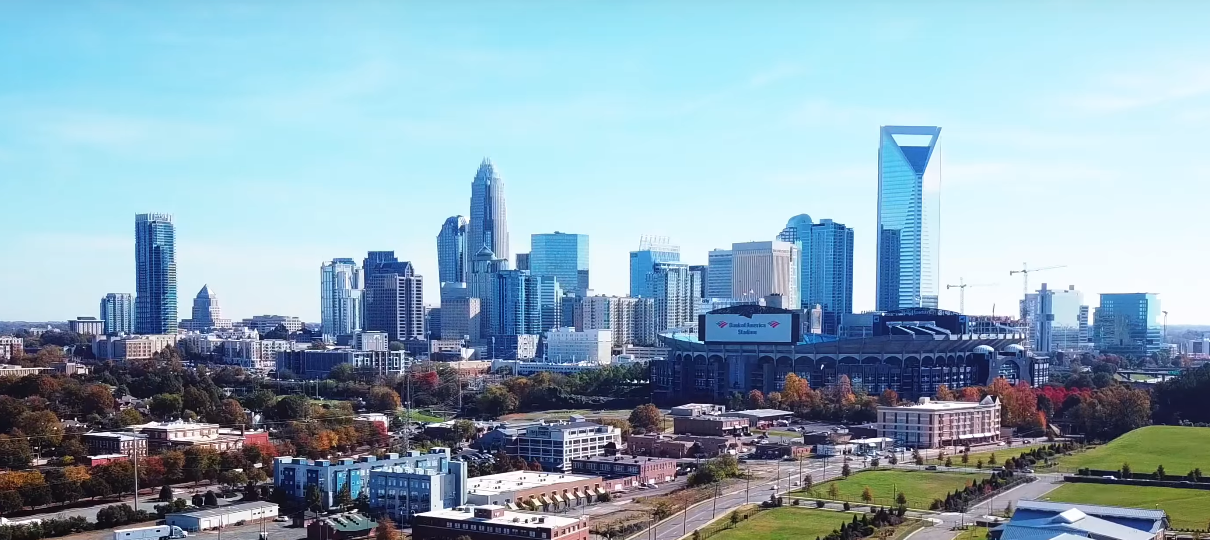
(489, 221)
(563, 256)
(340, 296)
(674, 289)
(452, 257)
(523, 303)
(117, 313)
(760, 269)
(652, 250)
(909, 198)
(155, 274)
(206, 313)
(394, 301)
(798, 232)
(718, 274)
(1127, 324)
(829, 276)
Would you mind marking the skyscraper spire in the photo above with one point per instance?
(489, 220)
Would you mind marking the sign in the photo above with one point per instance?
(757, 328)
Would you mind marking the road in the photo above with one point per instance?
(147, 501)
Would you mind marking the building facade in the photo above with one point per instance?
(536, 490)
(452, 256)
(340, 296)
(488, 226)
(422, 483)
(493, 522)
(459, 313)
(266, 323)
(631, 321)
(293, 475)
(394, 302)
(673, 289)
(716, 426)
(155, 274)
(313, 364)
(117, 313)
(206, 313)
(562, 255)
(132, 347)
(110, 443)
(936, 424)
(11, 347)
(180, 435)
(87, 325)
(566, 345)
(554, 445)
(718, 278)
(1128, 324)
(640, 470)
(829, 261)
(651, 250)
(760, 269)
(909, 217)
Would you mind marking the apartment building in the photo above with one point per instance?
(497, 523)
(935, 424)
(554, 445)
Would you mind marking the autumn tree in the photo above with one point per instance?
(386, 529)
(756, 399)
(496, 401)
(382, 398)
(971, 394)
(866, 495)
(945, 394)
(889, 398)
(646, 416)
(842, 392)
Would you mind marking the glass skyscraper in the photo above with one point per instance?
(909, 197)
(798, 232)
(674, 287)
(117, 313)
(452, 257)
(563, 256)
(718, 274)
(830, 272)
(1127, 324)
(155, 274)
(489, 221)
(652, 250)
(340, 291)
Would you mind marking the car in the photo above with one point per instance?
(931, 468)
(1109, 477)
(281, 519)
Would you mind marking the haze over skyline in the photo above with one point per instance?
(278, 139)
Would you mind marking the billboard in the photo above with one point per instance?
(755, 328)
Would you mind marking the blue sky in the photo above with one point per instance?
(281, 135)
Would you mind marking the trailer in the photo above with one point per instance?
(158, 532)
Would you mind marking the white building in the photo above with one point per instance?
(760, 269)
(523, 368)
(222, 516)
(132, 347)
(265, 323)
(697, 409)
(87, 325)
(936, 424)
(566, 345)
(630, 320)
(258, 355)
(11, 347)
(554, 445)
(341, 283)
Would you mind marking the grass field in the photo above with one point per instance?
(1187, 508)
(919, 487)
(1002, 453)
(421, 416)
(1178, 449)
(779, 433)
(562, 414)
(787, 523)
(973, 533)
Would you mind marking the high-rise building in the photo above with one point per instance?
(909, 216)
(206, 313)
(674, 291)
(1059, 322)
(760, 269)
(394, 302)
(452, 256)
(459, 313)
(482, 284)
(652, 250)
(829, 278)
(379, 261)
(340, 296)
(155, 274)
(562, 255)
(489, 222)
(522, 261)
(522, 303)
(1127, 324)
(718, 276)
(117, 313)
(630, 320)
(798, 232)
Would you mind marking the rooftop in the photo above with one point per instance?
(622, 459)
(512, 519)
(1071, 521)
(121, 436)
(173, 425)
(927, 404)
(762, 412)
(520, 480)
(1092, 509)
(223, 510)
(350, 521)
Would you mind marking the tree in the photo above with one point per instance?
(833, 491)
(96, 399)
(756, 399)
(465, 430)
(966, 458)
(314, 498)
(44, 426)
(645, 416)
(210, 499)
(129, 417)
(96, 487)
(901, 499)
(342, 373)
(230, 413)
(496, 401)
(1126, 473)
(386, 530)
(889, 398)
(10, 502)
(259, 400)
(166, 493)
(382, 398)
(292, 407)
(344, 497)
(166, 406)
(845, 471)
(992, 458)
(949, 462)
(198, 500)
(945, 394)
(866, 495)
(979, 464)
(1159, 472)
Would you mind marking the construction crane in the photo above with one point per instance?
(961, 286)
(1025, 315)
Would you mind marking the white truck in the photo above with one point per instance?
(158, 532)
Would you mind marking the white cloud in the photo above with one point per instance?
(1164, 83)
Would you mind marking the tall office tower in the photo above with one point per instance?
(718, 278)
(909, 217)
(652, 250)
(701, 276)
(206, 313)
(562, 255)
(1060, 323)
(798, 232)
(522, 261)
(1127, 324)
(571, 315)
(117, 313)
(394, 302)
(829, 276)
(459, 312)
(672, 289)
(155, 274)
(631, 320)
(378, 260)
(481, 284)
(489, 222)
(550, 301)
(452, 256)
(760, 269)
(340, 296)
(523, 303)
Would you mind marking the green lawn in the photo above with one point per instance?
(1187, 508)
(973, 533)
(786, 523)
(1178, 449)
(920, 487)
(420, 416)
(1002, 453)
(779, 433)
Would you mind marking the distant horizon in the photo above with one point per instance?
(280, 139)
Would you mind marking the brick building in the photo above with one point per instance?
(494, 522)
(679, 446)
(107, 443)
(715, 426)
(635, 470)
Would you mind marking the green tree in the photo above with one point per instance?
(646, 416)
(496, 401)
(43, 426)
(166, 493)
(10, 502)
(210, 499)
(465, 430)
(129, 417)
(166, 406)
(259, 400)
(229, 413)
(344, 497)
(292, 407)
(992, 458)
(314, 498)
(342, 373)
(833, 491)
(845, 471)
(901, 499)
(1126, 470)
(867, 495)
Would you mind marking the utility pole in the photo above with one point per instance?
(136, 474)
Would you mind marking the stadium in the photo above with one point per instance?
(752, 347)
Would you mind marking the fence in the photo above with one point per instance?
(1182, 484)
(742, 514)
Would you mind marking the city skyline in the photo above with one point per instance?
(768, 130)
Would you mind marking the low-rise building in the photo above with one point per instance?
(934, 424)
(762, 418)
(633, 470)
(11, 347)
(775, 450)
(316, 364)
(87, 325)
(292, 475)
(1043, 520)
(680, 446)
(9, 370)
(566, 345)
(429, 482)
(125, 348)
(716, 426)
(697, 409)
(346, 526)
(222, 516)
(180, 434)
(495, 522)
(103, 443)
(554, 445)
(538, 491)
